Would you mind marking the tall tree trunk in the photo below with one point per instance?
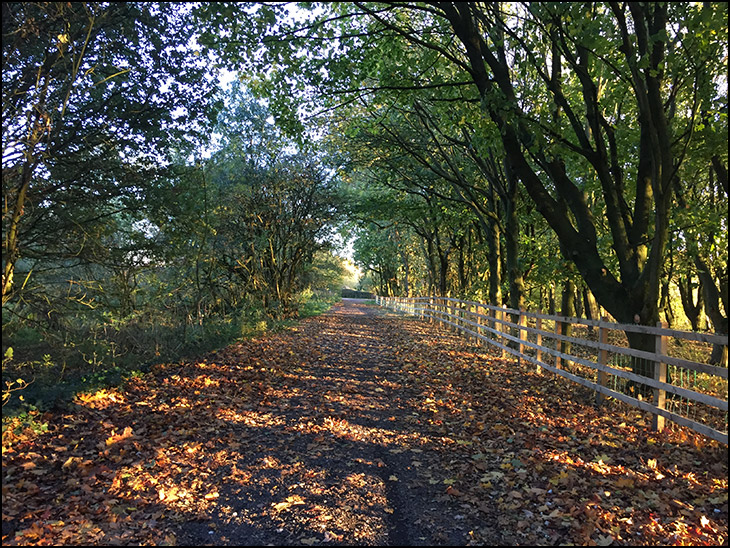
(666, 303)
(494, 260)
(551, 299)
(443, 274)
(406, 273)
(591, 306)
(461, 267)
(512, 242)
(579, 305)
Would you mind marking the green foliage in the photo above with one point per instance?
(422, 96)
(105, 84)
(148, 213)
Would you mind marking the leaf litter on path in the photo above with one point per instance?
(357, 427)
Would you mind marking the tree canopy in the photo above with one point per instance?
(596, 116)
(520, 153)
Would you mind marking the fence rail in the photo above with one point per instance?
(682, 386)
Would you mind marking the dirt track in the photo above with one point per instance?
(346, 458)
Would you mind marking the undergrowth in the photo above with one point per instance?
(43, 369)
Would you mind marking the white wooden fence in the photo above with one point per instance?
(592, 356)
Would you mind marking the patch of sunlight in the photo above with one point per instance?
(100, 399)
(250, 418)
(342, 428)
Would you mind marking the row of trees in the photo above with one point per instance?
(143, 204)
(513, 145)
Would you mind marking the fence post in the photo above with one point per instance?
(660, 374)
(501, 327)
(522, 322)
(558, 347)
(496, 326)
(460, 321)
(602, 359)
(538, 341)
(478, 319)
(459, 315)
(451, 307)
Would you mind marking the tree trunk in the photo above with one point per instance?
(579, 305)
(713, 296)
(591, 306)
(406, 274)
(641, 366)
(495, 263)
(443, 274)
(512, 243)
(461, 267)
(691, 309)
(567, 306)
(666, 303)
(551, 299)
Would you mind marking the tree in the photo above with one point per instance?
(636, 45)
(90, 93)
(276, 205)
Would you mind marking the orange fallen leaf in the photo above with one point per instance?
(116, 438)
